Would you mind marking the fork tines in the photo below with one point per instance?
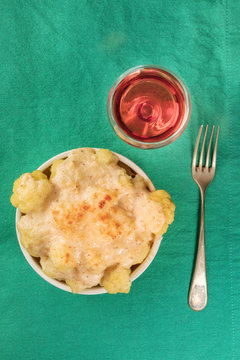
(214, 157)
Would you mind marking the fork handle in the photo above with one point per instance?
(198, 290)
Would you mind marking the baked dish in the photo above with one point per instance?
(89, 219)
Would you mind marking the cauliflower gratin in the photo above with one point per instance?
(89, 222)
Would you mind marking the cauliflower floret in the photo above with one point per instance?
(105, 156)
(141, 253)
(168, 207)
(53, 271)
(31, 241)
(34, 237)
(149, 215)
(54, 167)
(48, 267)
(125, 180)
(116, 279)
(62, 256)
(139, 182)
(75, 285)
(86, 155)
(30, 191)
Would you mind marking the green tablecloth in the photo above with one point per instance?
(58, 60)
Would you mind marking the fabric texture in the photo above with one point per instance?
(58, 61)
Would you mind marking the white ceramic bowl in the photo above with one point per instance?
(33, 262)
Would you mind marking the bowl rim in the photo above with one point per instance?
(98, 289)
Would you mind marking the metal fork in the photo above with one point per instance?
(203, 176)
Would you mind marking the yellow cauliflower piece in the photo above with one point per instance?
(52, 271)
(116, 279)
(30, 240)
(163, 229)
(125, 180)
(33, 238)
(54, 167)
(168, 206)
(139, 182)
(61, 256)
(141, 254)
(48, 267)
(75, 285)
(83, 154)
(38, 175)
(105, 156)
(30, 191)
(94, 261)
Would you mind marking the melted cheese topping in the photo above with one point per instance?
(96, 217)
